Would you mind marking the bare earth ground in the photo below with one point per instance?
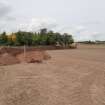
(70, 77)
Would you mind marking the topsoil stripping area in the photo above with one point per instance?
(9, 56)
(70, 77)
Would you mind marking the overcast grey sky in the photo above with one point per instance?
(85, 19)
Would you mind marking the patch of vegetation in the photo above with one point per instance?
(43, 38)
(92, 42)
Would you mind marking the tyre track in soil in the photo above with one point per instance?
(83, 95)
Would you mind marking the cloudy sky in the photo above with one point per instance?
(84, 19)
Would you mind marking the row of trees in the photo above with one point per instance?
(43, 37)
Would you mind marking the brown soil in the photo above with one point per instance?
(71, 77)
(8, 59)
(9, 56)
(33, 56)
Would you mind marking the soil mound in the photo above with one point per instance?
(8, 59)
(33, 56)
(3, 50)
(10, 56)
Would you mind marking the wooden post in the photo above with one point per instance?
(24, 53)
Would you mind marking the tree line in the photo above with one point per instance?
(43, 37)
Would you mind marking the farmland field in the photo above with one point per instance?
(70, 77)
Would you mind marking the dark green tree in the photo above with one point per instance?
(3, 38)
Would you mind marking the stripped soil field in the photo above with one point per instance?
(70, 77)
